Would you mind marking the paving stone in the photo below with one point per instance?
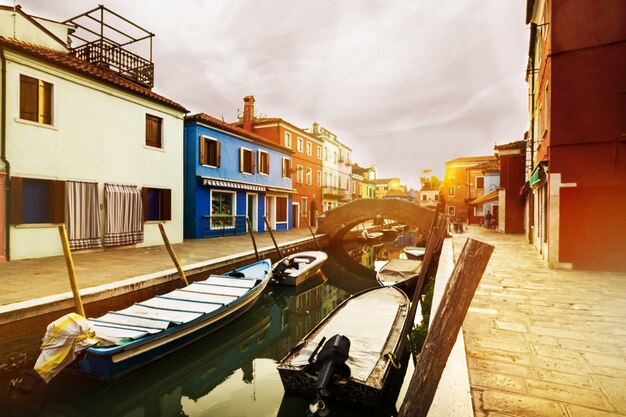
(495, 380)
(615, 390)
(556, 332)
(506, 368)
(520, 405)
(568, 394)
(605, 361)
(579, 411)
(576, 380)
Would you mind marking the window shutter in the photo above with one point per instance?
(240, 159)
(203, 151)
(260, 165)
(218, 153)
(57, 204)
(28, 98)
(45, 102)
(16, 200)
(144, 202)
(166, 201)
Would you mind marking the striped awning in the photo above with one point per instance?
(217, 182)
(484, 198)
(281, 190)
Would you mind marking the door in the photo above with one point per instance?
(295, 215)
(269, 211)
(251, 211)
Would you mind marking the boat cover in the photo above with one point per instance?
(367, 321)
(64, 338)
(399, 270)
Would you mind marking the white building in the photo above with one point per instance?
(83, 145)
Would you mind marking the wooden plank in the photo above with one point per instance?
(230, 282)
(445, 327)
(216, 289)
(177, 305)
(196, 296)
(176, 317)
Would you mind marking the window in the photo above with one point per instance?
(222, 209)
(334, 157)
(451, 210)
(288, 140)
(451, 191)
(303, 207)
(299, 174)
(325, 153)
(35, 100)
(246, 161)
(309, 148)
(436, 197)
(480, 183)
(286, 168)
(264, 163)
(209, 152)
(353, 187)
(319, 152)
(319, 178)
(325, 179)
(424, 197)
(300, 145)
(281, 209)
(309, 176)
(36, 201)
(157, 204)
(153, 131)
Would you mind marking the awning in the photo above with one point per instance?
(484, 198)
(538, 175)
(281, 190)
(216, 182)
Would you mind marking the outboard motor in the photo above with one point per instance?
(331, 358)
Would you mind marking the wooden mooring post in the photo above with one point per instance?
(445, 327)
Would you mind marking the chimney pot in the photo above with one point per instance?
(248, 112)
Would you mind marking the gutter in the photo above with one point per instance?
(3, 152)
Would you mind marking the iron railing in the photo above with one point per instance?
(223, 225)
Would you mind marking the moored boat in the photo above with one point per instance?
(298, 267)
(414, 252)
(401, 273)
(365, 335)
(370, 237)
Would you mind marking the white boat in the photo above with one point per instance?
(370, 237)
(298, 267)
(415, 252)
(399, 273)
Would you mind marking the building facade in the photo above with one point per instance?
(80, 143)
(512, 158)
(233, 176)
(577, 152)
(365, 181)
(306, 169)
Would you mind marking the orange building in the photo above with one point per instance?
(306, 160)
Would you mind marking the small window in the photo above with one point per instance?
(480, 183)
(309, 176)
(157, 203)
(288, 140)
(319, 178)
(299, 174)
(281, 209)
(319, 152)
(209, 152)
(35, 201)
(300, 145)
(286, 168)
(153, 131)
(246, 161)
(436, 197)
(451, 192)
(264, 163)
(424, 197)
(451, 210)
(303, 207)
(35, 100)
(309, 148)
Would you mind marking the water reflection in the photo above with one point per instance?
(231, 372)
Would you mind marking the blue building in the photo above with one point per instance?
(231, 174)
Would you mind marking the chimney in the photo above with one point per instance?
(248, 113)
(316, 128)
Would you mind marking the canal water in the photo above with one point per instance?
(232, 372)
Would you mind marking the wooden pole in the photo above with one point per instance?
(445, 328)
(256, 252)
(312, 234)
(168, 245)
(70, 270)
(269, 228)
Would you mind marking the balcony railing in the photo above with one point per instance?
(220, 225)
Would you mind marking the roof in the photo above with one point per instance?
(33, 20)
(484, 198)
(70, 62)
(488, 166)
(231, 128)
(519, 144)
(396, 193)
(471, 159)
(386, 180)
(265, 120)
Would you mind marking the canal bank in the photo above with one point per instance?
(35, 292)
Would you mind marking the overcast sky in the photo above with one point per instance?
(407, 84)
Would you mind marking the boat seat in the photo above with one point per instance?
(301, 260)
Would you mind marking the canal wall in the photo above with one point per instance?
(23, 324)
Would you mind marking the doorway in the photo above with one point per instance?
(269, 211)
(295, 215)
(252, 210)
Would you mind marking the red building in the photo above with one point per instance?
(576, 203)
(306, 160)
(512, 157)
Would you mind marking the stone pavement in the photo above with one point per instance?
(544, 342)
(35, 278)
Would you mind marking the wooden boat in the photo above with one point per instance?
(399, 273)
(399, 227)
(298, 267)
(150, 329)
(370, 237)
(374, 323)
(415, 252)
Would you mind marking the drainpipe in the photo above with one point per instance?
(3, 153)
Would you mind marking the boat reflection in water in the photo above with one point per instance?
(231, 372)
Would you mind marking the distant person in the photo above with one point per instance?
(488, 219)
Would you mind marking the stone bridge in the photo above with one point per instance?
(338, 221)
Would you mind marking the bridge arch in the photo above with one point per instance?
(337, 222)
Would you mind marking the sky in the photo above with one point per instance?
(407, 84)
